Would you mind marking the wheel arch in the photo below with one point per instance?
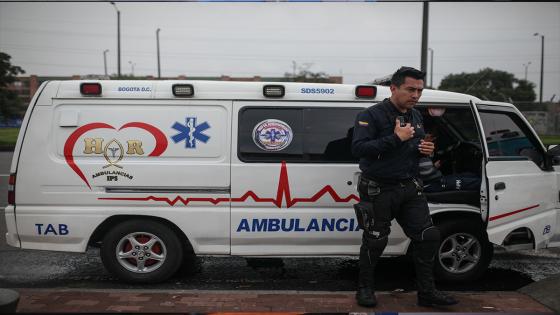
(521, 238)
(99, 232)
(458, 215)
(453, 215)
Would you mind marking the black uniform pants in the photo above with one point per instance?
(405, 202)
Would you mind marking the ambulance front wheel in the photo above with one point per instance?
(141, 251)
(464, 252)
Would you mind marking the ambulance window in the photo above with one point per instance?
(506, 135)
(328, 134)
(304, 135)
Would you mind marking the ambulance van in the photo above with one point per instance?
(156, 172)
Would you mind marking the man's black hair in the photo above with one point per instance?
(403, 72)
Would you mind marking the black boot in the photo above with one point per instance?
(424, 255)
(366, 297)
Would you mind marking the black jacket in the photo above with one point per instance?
(383, 156)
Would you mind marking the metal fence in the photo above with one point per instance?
(545, 118)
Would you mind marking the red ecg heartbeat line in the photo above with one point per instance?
(283, 193)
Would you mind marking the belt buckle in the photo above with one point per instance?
(418, 187)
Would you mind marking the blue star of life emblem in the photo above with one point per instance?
(190, 132)
(273, 135)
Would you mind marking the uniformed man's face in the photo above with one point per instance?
(408, 94)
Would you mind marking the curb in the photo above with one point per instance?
(205, 301)
(8, 301)
(545, 291)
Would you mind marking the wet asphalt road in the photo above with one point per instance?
(42, 269)
(23, 268)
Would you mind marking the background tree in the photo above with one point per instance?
(308, 76)
(490, 84)
(524, 91)
(10, 104)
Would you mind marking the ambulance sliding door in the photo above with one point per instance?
(138, 157)
(293, 179)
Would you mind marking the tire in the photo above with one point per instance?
(464, 252)
(150, 252)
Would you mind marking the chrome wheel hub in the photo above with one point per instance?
(459, 253)
(141, 252)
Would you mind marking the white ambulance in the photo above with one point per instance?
(155, 172)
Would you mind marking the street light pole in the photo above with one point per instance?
(542, 65)
(118, 39)
(132, 67)
(105, 60)
(158, 63)
(526, 65)
(424, 46)
(431, 67)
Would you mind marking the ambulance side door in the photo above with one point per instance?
(293, 179)
(521, 192)
(555, 239)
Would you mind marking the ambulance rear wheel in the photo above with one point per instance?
(141, 251)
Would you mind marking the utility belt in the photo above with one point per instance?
(373, 187)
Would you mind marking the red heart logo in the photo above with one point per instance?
(159, 136)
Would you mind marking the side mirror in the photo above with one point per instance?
(553, 151)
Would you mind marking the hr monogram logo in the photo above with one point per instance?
(113, 151)
(94, 146)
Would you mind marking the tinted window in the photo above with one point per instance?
(505, 134)
(317, 134)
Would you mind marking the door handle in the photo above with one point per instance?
(500, 186)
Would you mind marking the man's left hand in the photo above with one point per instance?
(426, 147)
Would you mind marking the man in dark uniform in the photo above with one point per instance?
(388, 139)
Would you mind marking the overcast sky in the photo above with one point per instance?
(359, 41)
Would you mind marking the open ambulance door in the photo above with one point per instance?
(519, 194)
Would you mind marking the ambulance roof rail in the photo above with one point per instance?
(228, 90)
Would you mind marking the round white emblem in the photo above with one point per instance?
(272, 135)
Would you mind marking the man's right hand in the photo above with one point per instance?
(404, 133)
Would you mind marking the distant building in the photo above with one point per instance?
(27, 86)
